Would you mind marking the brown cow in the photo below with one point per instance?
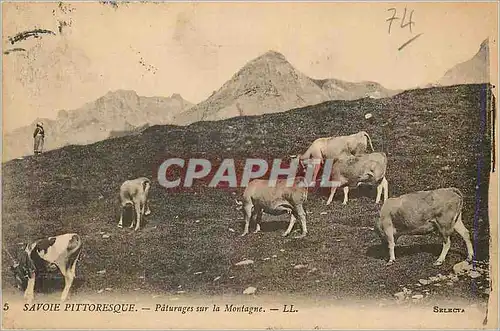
(424, 212)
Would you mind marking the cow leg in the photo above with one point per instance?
(138, 212)
(380, 188)
(385, 188)
(29, 293)
(68, 279)
(290, 225)
(301, 215)
(120, 223)
(464, 233)
(444, 251)
(391, 243)
(346, 195)
(258, 219)
(147, 211)
(332, 193)
(248, 214)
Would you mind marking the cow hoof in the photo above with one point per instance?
(120, 226)
(390, 263)
(244, 234)
(344, 203)
(147, 213)
(300, 236)
(438, 263)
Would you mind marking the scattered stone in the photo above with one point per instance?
(454, 278)
(106, 236)
(250, 290)
(275, 256)
(282, 250)
(217, 278)
(417, 297)
(231, 277)
(323, 213)
(108, 289)
(418, 284)
(197, 221)
(174, 299)
(399, 296)
(433, 279)
(180, 286)
(300, 266)
(449, 283)
(100, 291)
(245, 262)
(248, 142)
(101, 272)
(232, 230)
(424, 281)
(266, 258)
(437, 285)
(462, 267)
(313, 270)
(474, 274)
(198, 273)
(317, 281)
(181, 292)
(368, 116)
(445, 168)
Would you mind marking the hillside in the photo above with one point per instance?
(192, 236)
(473, 71)
(116, 111)
(270, 84)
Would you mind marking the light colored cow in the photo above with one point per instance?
(62, 251)
(134, 197)
(260, 196)
(424, 212)
(334, 147)
(365, 169)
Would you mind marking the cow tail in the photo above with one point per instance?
(146, 185)
(460, 194)
(369, 140)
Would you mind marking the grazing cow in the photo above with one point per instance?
(334, 147)
(62, 251)
(424, 212)
(134, 196)
(365, 169)
(260, 196)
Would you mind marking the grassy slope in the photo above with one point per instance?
(75, 189)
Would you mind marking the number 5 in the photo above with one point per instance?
(5, 306)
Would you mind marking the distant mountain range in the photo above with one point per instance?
(270, 84)
(474, 71)
(266, 84)
(115, 114)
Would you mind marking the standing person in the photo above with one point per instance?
(39, 136)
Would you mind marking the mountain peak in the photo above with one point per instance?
(176, 96)
(485, 45)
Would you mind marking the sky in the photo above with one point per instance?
(193, 48)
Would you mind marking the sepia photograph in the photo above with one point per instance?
(249, 165)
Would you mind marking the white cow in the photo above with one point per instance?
(62, 251)
(365, 169)
(134, 196)
(260, 196)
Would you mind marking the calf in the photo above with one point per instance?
(62, 251)
(134, 196)
(260, 196)
(334, 147)
(365, 169)
(424, 212)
